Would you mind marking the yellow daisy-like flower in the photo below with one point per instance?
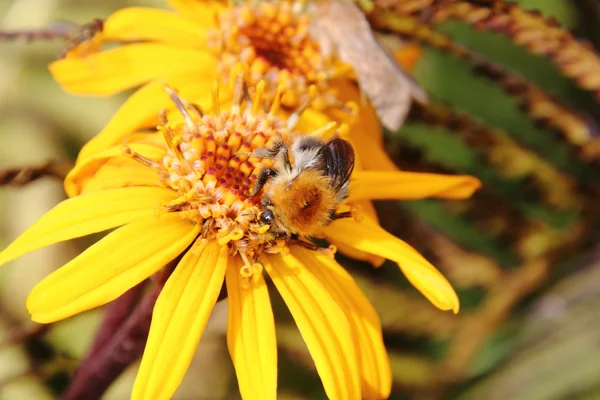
(200, 41)
(183, 192)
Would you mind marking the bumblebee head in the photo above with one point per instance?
(267, 217)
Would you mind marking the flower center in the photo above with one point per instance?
(273, 40)
(211, 165)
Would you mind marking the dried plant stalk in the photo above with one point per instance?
(549, 185)
(503, 218)
(22, 176)
(542, 36)
(577, 129)
(527, 237)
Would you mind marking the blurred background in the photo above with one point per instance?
(523, 253)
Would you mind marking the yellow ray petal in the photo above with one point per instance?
(141, 108)
(322, 323)
(203, 12)
(87, 214)
(373, 362)
(251, 334)
(124, 67)
(370, 237)
(372, 155)
(179, 319)
(153, 24)
(110, 267)
(85, 170)
(368, 211)
(311, 120)
(366, 123)
(387, 185)
(121, 172)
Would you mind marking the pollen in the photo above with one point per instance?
(273, 39)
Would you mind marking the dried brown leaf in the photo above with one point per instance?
(339, 26)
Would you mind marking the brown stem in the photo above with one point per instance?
(22, 176)
(120, 341)
(116, 314)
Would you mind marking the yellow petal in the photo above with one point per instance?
(141, 109)
(86, 169)
(367, 123)
(87, 214)
(110, 267)
(370, 237)
(121, 172)
(373, 362)
(127, 66)
(311, 120)
(202, 12)
(372, 155)
(251, 334)
(179, 319)
(153, 24)
(322, 323)
(387, 185)
(368, 211)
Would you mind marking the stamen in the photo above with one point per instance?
(181, 107)
(295, 117)
(276, 101)
(138, 157)
(246, 271)
(226, 235)
(343, 130)
(196, 109)
(257, 268)
(249, 270)
(256, 103)
(322, 131)
(329, 252)
(170, 141)
(182, 199)
(163, 118)
(263, 229)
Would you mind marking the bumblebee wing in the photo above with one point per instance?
(338, 156)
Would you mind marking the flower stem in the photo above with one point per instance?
(119, 342)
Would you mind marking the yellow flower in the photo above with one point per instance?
(183, 192)
(198, 42)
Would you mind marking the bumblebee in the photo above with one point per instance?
(301, 195)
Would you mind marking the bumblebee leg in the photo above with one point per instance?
(270, 152)
(345, 214)
(278, 151)
(263, 178)
(306, 245)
